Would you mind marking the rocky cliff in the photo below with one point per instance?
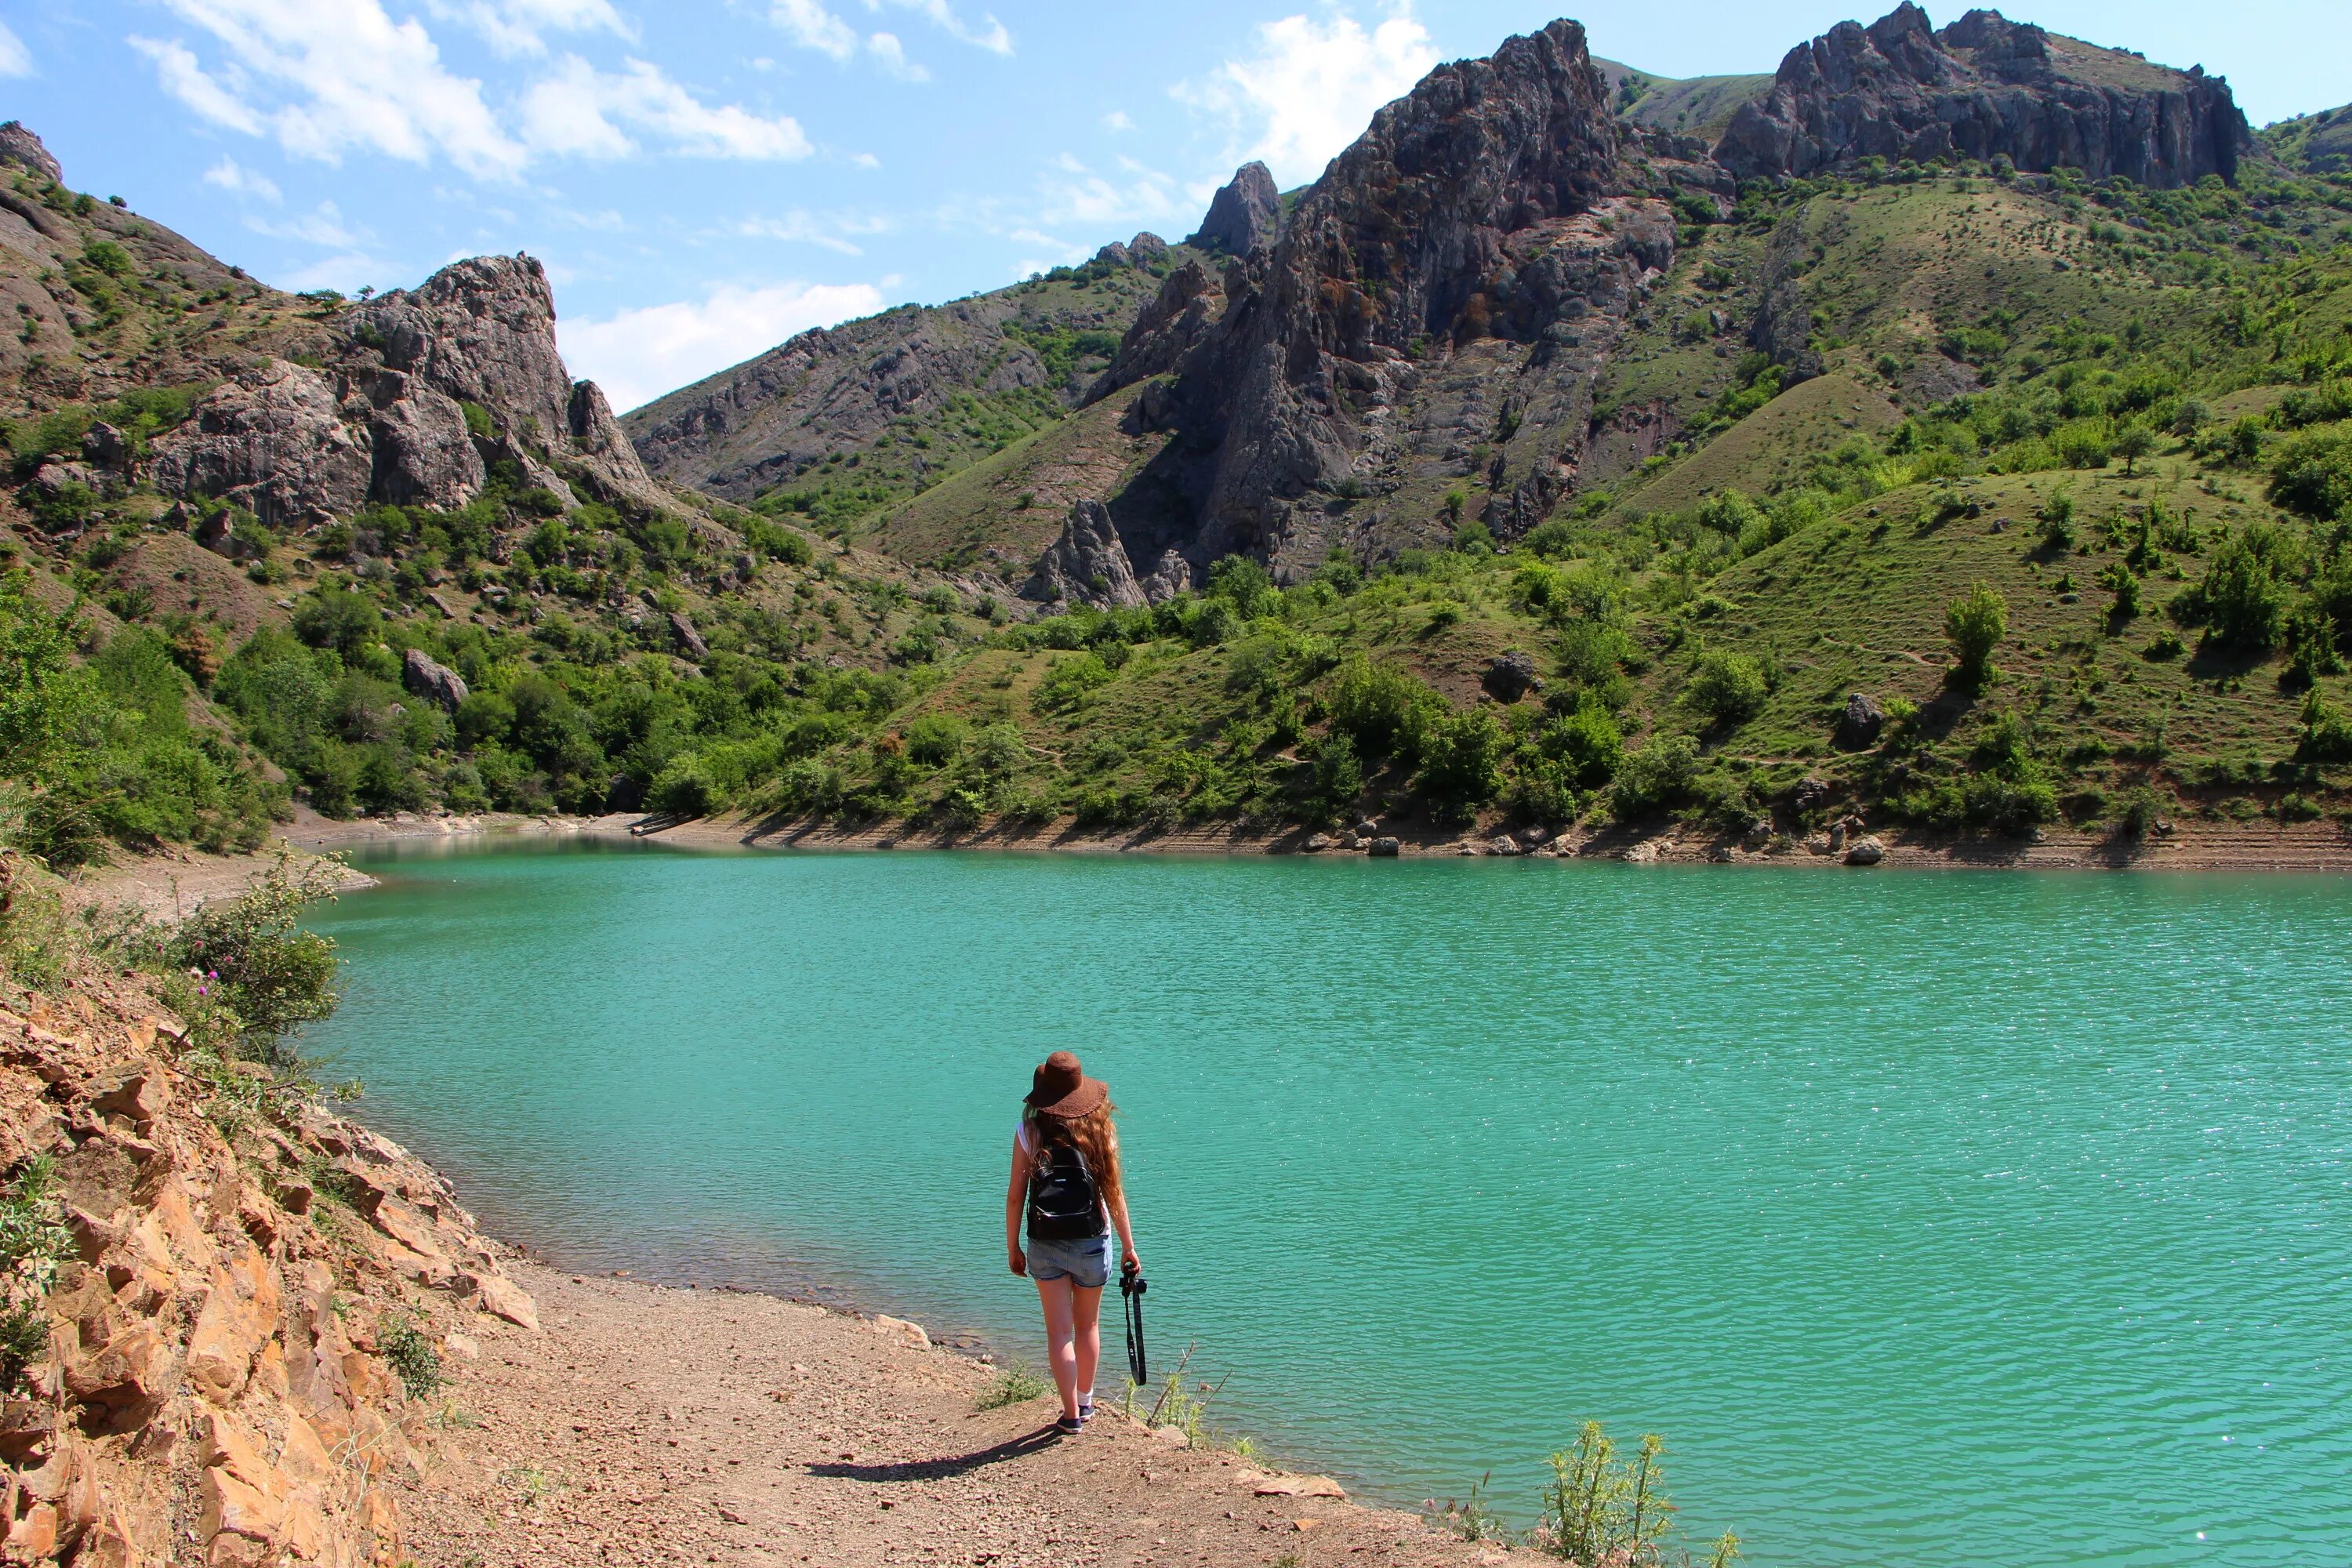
(1985, 88)
(1488, 217)
(251, 1298)
(1245, 213)
(385, 420)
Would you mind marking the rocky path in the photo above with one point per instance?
(650, 1426)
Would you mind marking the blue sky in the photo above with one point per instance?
(705, 177)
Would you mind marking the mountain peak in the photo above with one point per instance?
(1244, 214)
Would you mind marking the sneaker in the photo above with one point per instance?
(1069, 1425)
(1085, 1411)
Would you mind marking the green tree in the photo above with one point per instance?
(1974, 625)
(1729, 688)
(1462, 763)
(2132, 443)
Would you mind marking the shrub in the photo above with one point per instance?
(338, 618)
(262, 975)
(1333, 777)
(1245, 584)
(33, 1241)
(2327, 734)
(412, 1354)
(2312, 474)
(1659, 777)
(1729, 688)
(1066, 684)
(1974, 625)
(1378, 706)
(2240, 600)
(1586, 742)
(935, 739)
(1462, 763)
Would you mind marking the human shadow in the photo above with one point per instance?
(1012, 1449)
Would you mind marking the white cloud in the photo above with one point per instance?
(811, 27)
(238, 180)
(324, 226)
(1117, 120)
(345, 274)
(185, 79)
(581, 111)
(1311, 88)
(990, 35)
(516, 27)
(15, 60)
(865, 160)
(832, 231)
(888, 52)
(327, 78)
(1075, 194)
(637, 355)
(349, 78)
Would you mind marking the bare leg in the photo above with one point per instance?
(1087, 1323)
(1060, 1353)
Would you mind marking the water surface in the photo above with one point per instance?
(1982, 1218)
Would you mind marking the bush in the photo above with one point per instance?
(935, 739)
(1974, 625)
(1379, 706)
(1729, 688)
(2240, 600)
(1659, 777)
(1586, 743)
(262, 974)
(338, 618)
(1462, 764)
(2312, 474)
(1333, 777)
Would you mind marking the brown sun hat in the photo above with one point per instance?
(1060, 1088)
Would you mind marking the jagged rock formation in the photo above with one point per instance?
(1244, 214)
(1085, 564)
(19, 145)
(1189, 300)
(1490, 206)
(387, 422)
(1984, 87)
(218, 1385)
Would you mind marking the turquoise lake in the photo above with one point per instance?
(1990, 1218)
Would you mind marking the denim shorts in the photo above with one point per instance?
(1085, 1262)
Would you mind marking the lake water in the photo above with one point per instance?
(1983, 1217)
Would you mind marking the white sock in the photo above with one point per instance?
(1086, 1399)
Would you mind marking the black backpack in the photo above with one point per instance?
(1063, 1203)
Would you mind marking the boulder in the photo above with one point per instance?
(1172, 576)
(1317, 842)
(502, 1298)
(1864, 852)
(217, 533)
(1243, 214)
(1386, 848)
(105, 447)
(1510, 676)
(1811, 793)
(427, 676)
(688, 637)
(1861, 724)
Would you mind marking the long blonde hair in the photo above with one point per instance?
(1095, 1136)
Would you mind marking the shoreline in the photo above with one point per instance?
(2263, 845)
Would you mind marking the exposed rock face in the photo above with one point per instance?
(19, 145)
(1982, 88)
(1087, 564)
(273, 441)
(1244, 214)
(428, 677)
(689, 641)
(1485, 206)
(423, 455)
(1172, 576)
(216, 1386)
(1189, 302)
(483, 331)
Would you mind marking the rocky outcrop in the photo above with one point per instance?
(1189, 302)
(1244, 214)
(1861, 723)
(19, 145)
(1985, 88)
(1087, 564)
(428, 677)
(274, 441)
(1489, 204)
(222, 1379)
(482, 331)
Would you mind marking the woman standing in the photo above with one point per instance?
(1065, 1175)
